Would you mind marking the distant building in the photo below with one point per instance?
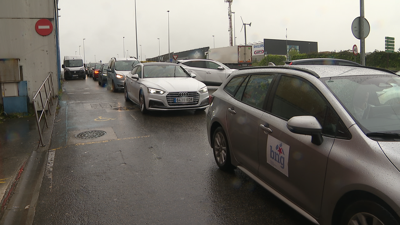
(282, 47)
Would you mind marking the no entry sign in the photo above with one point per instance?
(43, 27)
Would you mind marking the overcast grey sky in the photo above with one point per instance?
(192, 23)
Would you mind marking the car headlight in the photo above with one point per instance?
(203, 89)
(156, 91)
(119, 76)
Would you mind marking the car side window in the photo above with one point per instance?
(256, 90)
(239, 93)
(198, 64)
(233, 85)
(297, 97)
(212, 65)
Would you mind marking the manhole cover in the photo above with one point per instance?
(91, 134)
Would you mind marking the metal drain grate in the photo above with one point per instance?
(91, 134)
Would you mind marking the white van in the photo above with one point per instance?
(73, 67)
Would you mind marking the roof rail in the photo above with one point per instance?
(282, 67)
(380, 69)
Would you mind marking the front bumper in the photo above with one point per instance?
(166, 102)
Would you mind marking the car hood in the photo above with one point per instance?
(173, 83)
(391, 150)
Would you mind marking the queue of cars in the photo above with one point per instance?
(320, 135)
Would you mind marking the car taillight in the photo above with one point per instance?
(290, 63)
(210, 99)
(96, 72)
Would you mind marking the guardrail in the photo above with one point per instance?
(43, 98)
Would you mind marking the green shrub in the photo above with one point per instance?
(378, 59)
(276, 59)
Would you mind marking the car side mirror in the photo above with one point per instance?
(62, 65)
(192, 75)
(221, 68)
(307, 125)
(135, 76)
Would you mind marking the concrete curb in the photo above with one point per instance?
(21, 206)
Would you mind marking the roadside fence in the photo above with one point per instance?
(42, 99)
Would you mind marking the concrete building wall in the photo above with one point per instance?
(19, 39)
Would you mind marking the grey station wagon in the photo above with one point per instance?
(323, 139)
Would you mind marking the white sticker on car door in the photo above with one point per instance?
(278, 155)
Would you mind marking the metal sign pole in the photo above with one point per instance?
(362, 37)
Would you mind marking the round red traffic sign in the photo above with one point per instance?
(355, 50)
(44, 27)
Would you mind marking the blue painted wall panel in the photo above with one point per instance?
(23, 88)
(15, 104)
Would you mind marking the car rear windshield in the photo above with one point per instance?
(125, 65)
(73, 63)
(158, 71)
(373, 101)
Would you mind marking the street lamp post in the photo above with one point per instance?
(214, 40)
(141, 59)
(123, 45)
(169, 52)
(159, 52)
(79, 50)
(84, 60)
(137, 52)
(234, 28)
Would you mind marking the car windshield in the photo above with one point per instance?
(97, 66)
(105, 67)
(157, 71)
(125, 65)
(74, 63)
(373, 101)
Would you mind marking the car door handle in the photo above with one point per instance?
(266, 128)
(232, 110)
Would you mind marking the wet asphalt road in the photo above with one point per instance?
(147, 169)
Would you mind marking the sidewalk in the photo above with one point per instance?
(19, 140)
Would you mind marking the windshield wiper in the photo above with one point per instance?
(383, 135)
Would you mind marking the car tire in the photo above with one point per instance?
(221, 150)
(142, 103)
(369, 211)
(126, 94)
(113, 87)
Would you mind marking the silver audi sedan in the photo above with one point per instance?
(324, 139)
(165, 86)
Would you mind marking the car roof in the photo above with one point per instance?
(158, 63)
(126, 59)
(293, 62)
(72, 57)
(322, 71)
(186, 60)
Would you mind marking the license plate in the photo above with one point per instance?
(74, 75)
(184, 99)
